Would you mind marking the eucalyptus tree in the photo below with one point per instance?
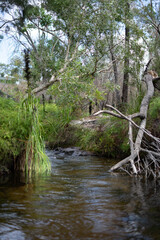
(57, 35)
(130, 50)
(119, 30)
(88, 30)
(126, 56)
(149, 20)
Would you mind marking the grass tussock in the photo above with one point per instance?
(21, 143)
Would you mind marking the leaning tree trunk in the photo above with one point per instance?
(136, 147)
(133, 159)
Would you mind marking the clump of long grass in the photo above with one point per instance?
(36, 159)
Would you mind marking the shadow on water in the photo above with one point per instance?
(79, 200)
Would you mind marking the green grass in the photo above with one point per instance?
(154, 108)
(55, 122)
(20, 132)
(111, 139)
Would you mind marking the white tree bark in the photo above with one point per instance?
(135, 147)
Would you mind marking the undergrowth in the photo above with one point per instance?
(8, 131)
(55, 122)
(35, 158)
(23, 128)
(153, 123)
(109, 139)
(20, 132)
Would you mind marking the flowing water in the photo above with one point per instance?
(80, 199)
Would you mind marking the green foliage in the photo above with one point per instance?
(8, 140)
(99, 95)
(153, 119)
(86, 139)
(154, 108)
(52, 56)
(21, 132)
(111, 141)
(75, 86)
(36, 159)
(115, 138)
(12, 71)
(55, 122)
(135, 103)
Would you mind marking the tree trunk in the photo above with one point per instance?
(115, 69)
(133, 164)
(126, 57)
(136, 147)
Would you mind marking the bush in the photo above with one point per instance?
(55, 122)
(111, 139)
(21, 133)
(8, 121)
(154, 108)
(154, 117)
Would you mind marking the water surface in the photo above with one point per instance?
(80, 199)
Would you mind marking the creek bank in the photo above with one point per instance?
(100, 136)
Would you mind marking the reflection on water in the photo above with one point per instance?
(79, 200)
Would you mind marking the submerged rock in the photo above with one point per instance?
(72, 151)
(60, 156)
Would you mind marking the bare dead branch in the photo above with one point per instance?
(135, 148)
(129, 119)
(157, 154)
(108, 112)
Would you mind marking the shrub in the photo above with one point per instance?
(55, 122)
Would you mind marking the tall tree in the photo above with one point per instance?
(127, 51)
(115, 69)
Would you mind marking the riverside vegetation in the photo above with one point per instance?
(16, 136)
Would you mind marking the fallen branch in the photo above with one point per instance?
(108, 112)
(135, 147)
(157, 154)
(128, 118)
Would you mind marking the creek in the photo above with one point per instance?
(80, 199)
